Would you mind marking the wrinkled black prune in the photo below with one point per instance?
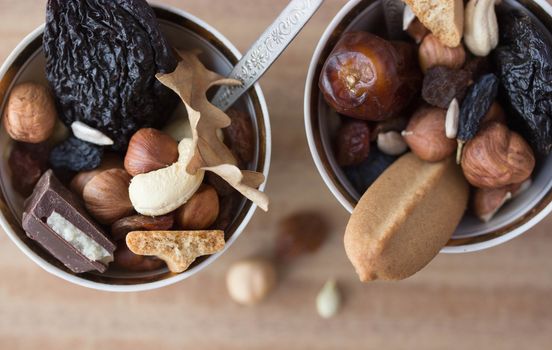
(442, 85)
(76, 155)
(364, 174)
(477, 103)
(524, 65)
(101, 61)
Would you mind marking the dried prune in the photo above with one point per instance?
(76, 155)
(101, 61)
(477, 103)
(239, 136)
(27, 162)
(367, 77)
(364, 174)
(442, 85)
(121, 227)
(352, 143)
(524, 64)
(300, 233)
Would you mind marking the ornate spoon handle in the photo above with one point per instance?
(266, 50)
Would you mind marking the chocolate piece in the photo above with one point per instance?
(54, 218)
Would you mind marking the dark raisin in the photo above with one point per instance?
(101, 61)
(352, 142)
(76, 155)
(442, 85)
(524, 64)
(300, 233)
(364, 174)
(477, 103)
(27, 162)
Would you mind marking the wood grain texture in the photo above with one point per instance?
(496, 299)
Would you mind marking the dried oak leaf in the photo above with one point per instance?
(190, 81)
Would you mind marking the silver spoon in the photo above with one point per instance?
(266, 50)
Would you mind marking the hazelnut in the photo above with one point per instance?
(201, 211)
(125, 259)
(412, 25)
(30, 114)
(106, 196)
(433, 53)
(487, 201)
(425, 135)
(109, 161)
(497, 157)
(250, 281)
(149, 150)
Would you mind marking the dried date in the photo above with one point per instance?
(121, 227)
(442, 85)
(27, 163)
(524, 65)
(239, 136)
(352, 143)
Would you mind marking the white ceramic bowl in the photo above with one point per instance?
(26, 63)
(321, 122)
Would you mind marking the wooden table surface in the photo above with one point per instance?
(500, 298)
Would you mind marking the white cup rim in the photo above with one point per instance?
(323, 171)
(75, 279)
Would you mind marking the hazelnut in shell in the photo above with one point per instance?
(106, 196)
(148, 150)
(433, 53)
(30, 114)
(426, 137)
(250, 281)
(497, 157)
(487, 201)
(109, 161)
(200, 211)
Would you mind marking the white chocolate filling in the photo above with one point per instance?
(78, 239)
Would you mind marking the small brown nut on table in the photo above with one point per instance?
(497, 157)
(178, 249)
(121, 227)
(148, 150)
(200, 211)
(426, 137)
(106, 196)
(30, 114)
(250, 281)
(487, 201)
(433, 53)
(300, 233)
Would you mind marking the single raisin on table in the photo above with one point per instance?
(475, 106)
(300, 233)
(442, 85)
(352, 143)
(76, 155)
(101, 61)
(524, 64)
(27, 162)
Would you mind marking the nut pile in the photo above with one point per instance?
(451, 104)
(137, 204)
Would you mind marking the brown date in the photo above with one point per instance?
(121, 227)
(369, 78)
(352, 143)
(124, 259)
(27, 162)
(239, 136)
